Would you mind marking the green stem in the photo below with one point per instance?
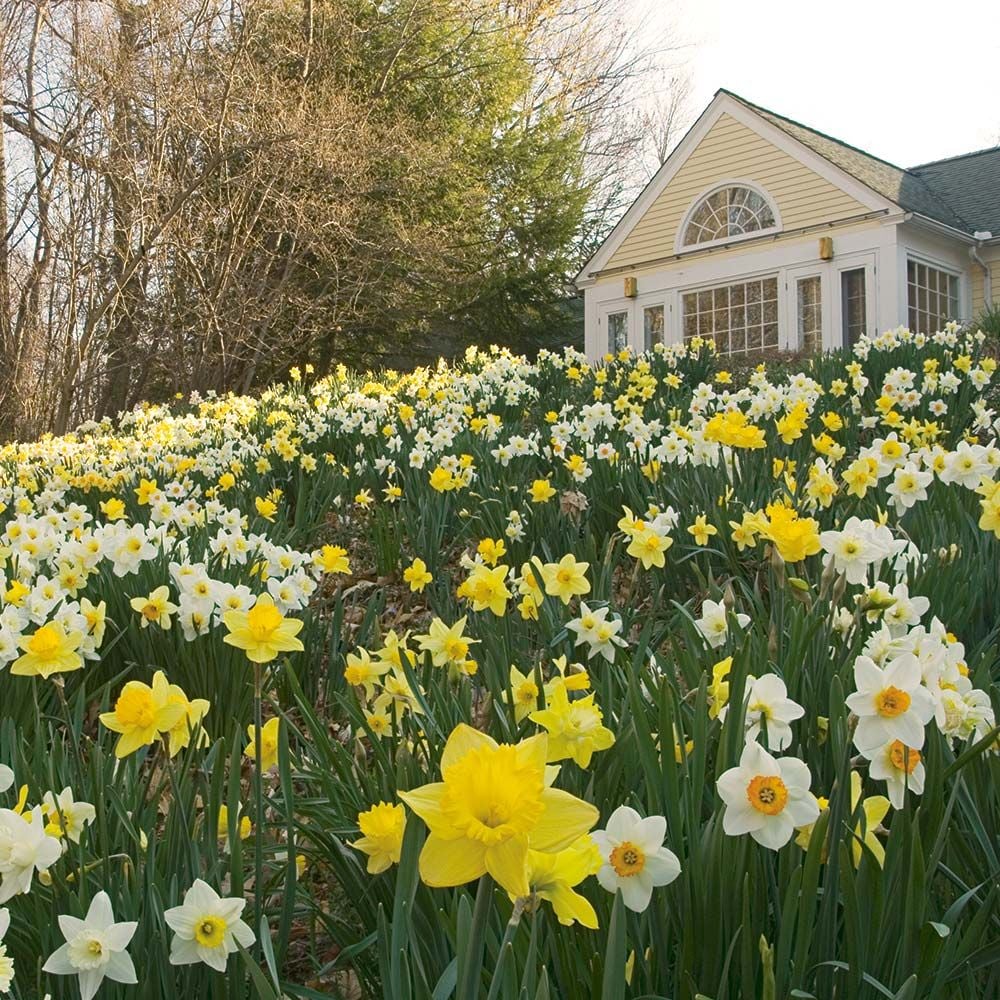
(471, 973)
(508, 936)
(258, 787)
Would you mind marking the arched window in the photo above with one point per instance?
(726, 212)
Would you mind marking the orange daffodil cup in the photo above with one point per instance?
(492, 806)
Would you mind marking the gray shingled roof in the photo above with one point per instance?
(962, 192)
(970, 184)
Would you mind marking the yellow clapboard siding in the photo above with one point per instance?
(991, 256)
(731, 150)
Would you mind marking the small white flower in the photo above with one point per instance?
(767, 797)
(900, 768)
(635, 859)
(67, 817)
(890, 704)
(600, 634)
(714, 622)
(768, 705)
(24, 849)
(94, 948)
(6, 962)
(206, 928)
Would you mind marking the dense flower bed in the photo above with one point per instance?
(511, 679)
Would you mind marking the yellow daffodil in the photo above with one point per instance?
(142, 713)
(49, 650)
(565, 579)
(269, 733)
(417, 575)
(492, 807)
(262, 632)
(382, 828)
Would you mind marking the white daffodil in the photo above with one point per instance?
(600, 634)
(67, 817)
(891, 703)
(94, 948)
(207, 928)
(24, 849)
(900, 767)
(6, 777)
(635, 859)
(714, 622)
(767, 797)
(855, 547)
(909, 485)
(768, 706)
(6, 962)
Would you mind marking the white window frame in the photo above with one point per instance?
(641, 305)
(853, 262)
(681, 247)
(790, 332)
(742, 279)
(936, 265)
(609, 309)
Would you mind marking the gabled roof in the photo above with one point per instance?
(961, 193)
(907, 188)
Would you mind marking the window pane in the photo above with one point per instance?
(932, 297)
(854, 319)
(731, 211)
(652, 326)
(617, 331)
(809, 312)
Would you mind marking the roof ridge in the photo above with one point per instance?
(815, 131)
(957, 156)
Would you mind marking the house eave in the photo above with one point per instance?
(926, 222)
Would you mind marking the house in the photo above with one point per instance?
(764, 233)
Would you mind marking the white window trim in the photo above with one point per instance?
(743, 279)
(792, 276)
(931, 262)
(608, 309)
(681, 247)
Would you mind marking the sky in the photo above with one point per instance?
(907, 81)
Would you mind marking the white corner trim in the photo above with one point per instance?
(680, 246)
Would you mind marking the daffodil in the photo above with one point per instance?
(890, 703)
(633, 858)
(95, 948)
(565, 579)
(701, 530)
(575, 728)
(155, 609)
(446, 643)
(262, 632)
(901, 768)
(382, 828)
(142, 713)
(553, 876)
(206, 928)
(269, 734)
(49, 650)
(541, 491)
(491, 807)
(417, 575)
(766, 797)
(873, 810)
